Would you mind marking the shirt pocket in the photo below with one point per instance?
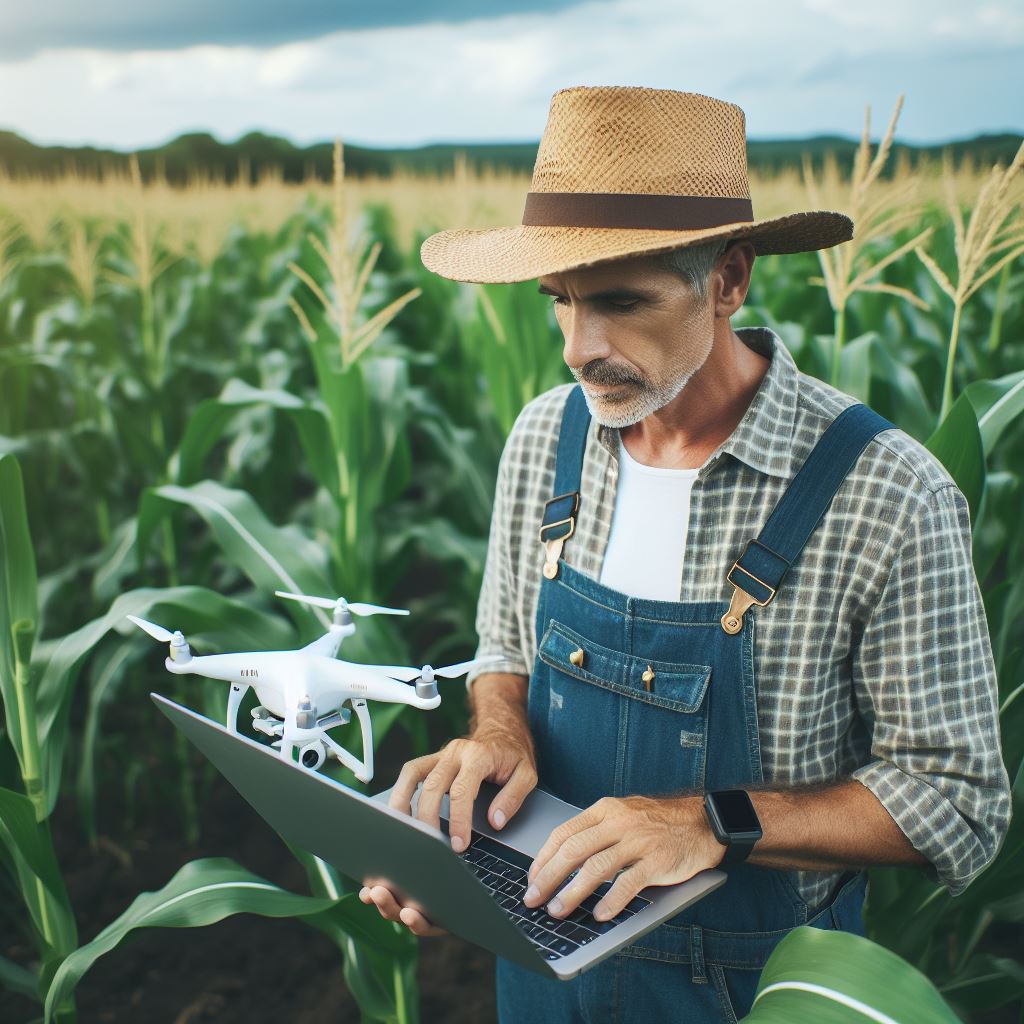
(676, 686)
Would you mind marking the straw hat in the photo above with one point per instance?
(629, 171)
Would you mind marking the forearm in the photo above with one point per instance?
(827, 827)
(497, 701)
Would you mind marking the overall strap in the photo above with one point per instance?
(559, 522)
(758, 572)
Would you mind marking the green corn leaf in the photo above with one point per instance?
(988, 982)
(107, 672)
(274, 558)
(997, 403)
(212, 416)
(16, 978)
(957, 444)
(835, 977)
(894, 379)
(19, 599)
(39, 877)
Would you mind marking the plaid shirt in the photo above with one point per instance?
(874, 659)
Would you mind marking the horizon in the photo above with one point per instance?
(831, 136)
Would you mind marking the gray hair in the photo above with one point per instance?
(693, 263)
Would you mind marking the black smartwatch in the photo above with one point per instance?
(734, 822)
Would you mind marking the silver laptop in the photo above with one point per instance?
(475, 894)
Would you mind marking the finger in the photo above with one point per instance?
(435, 785)
(584, 820)
(521, 783)
(626, 886)
(598, 868)
(400, 797)
(386, 903)
(572, 854)
(418, 924)
(461, 798)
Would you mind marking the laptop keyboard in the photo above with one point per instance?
(503, 870)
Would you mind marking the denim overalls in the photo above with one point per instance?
(636, 696)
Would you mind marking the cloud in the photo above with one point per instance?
(173, 24)
(797, 67)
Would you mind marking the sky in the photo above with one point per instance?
(126, 75)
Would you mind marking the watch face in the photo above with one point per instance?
(736, 811)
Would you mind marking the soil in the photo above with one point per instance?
(246, 968)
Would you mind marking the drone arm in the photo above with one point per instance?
(226, 667)
(192, 667)
(381, 688)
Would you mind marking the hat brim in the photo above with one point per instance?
(523, 252)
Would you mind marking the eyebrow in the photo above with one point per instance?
(609, 294)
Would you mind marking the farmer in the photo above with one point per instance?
(652, 651)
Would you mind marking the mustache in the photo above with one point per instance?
(606, 373)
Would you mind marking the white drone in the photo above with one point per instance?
(301, 692)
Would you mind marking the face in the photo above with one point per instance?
(634, 335)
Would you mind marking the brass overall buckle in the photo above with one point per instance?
(732, 620)
(553, 547)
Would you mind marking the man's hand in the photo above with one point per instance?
(657, 841)
(390, 910)
(501, 752)
(458, 769)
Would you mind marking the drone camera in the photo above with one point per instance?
(313, 755)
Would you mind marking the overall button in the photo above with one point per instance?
(648, 678)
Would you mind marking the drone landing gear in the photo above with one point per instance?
(362, 770)
(314, 752)
(235, 696)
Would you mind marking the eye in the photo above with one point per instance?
(618, 307)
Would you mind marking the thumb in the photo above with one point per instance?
(519, 786)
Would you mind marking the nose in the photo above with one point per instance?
(585, 339)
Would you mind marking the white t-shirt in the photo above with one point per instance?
(648, 533)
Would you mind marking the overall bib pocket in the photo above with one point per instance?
(644, 719)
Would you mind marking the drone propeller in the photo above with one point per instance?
(155, 631)
(427, 672)
(180, 651)
(339, 603)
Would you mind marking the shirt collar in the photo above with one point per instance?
(763, 439)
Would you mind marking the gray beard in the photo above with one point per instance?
(639, 401)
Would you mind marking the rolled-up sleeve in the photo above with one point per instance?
(924, 673)
(497, 615)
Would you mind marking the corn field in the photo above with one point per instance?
(210, 393)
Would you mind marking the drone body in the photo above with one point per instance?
(302, 692)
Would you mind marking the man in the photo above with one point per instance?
(651, 651)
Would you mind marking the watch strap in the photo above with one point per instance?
(737, 851)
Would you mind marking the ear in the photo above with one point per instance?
(730, 280)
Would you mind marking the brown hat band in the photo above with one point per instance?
(632, 210)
